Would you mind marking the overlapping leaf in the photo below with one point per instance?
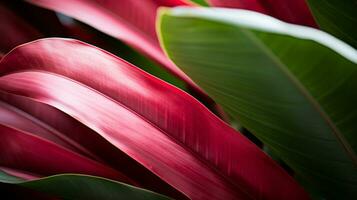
(26, 152)
(81, 187)
(158, 126)
(294, 87)
(52, 124)
(339, 18)
(131, 21)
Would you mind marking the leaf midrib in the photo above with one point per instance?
(337, 133)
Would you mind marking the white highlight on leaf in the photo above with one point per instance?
(258, 21)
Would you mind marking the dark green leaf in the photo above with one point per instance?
(76, 187)
(294, 87)
(337, 17)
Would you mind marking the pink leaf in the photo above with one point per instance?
(87, 139)
(24, 151)
(161, 127)
(131, 21)
(13, 117)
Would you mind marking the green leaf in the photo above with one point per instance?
(337, 17)
(77, 187)
(294, 87)
(200, 2)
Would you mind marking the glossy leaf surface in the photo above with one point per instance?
(339, 18)
(162, 128)
(59, 126)
(18, 152)
(14, 117)
(127, 134)
(131, 21)
(294, 87)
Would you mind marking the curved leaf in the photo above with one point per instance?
(99, 149)
(292, 11)
(95, 146)
(108, 112)
(339, 18)
(131, 21)
(75, 186)
(159, 126)
(292, 86)
(13, 117)
(18, 152)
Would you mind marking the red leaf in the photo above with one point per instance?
(161, 127)
(24, 151)
(88, 140)
(292, 11)
(13, 117)
(131, 21)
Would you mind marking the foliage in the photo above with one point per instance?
(251, 101)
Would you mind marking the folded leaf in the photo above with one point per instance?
(13, 117)
(23, 151)
(75, 186)
(95, 37)
(131, 21)
(99, 149)
(339, 18)
(292, 86)
(293, 11)
(126, 134)
(162, 128)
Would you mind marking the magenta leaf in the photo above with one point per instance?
(131, 21)
(88, 142)
(27, 152)
(159, 126)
